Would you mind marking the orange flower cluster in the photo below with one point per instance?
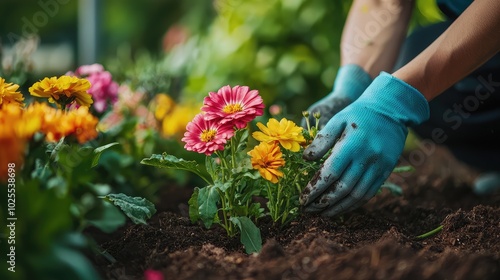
(56, 123)
(17, 127)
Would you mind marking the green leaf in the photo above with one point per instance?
(207, 201)
(170, 161)
(407, 168)
(241, 137)
(194, 214)
(223, 187)
(393, 188)
(211, 166)
(98, 151)
(250, 234)
(41, 171)
(65, 259)
(138, 209)
(106, 218)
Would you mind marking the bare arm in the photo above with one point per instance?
(374, 32)
(469, 42)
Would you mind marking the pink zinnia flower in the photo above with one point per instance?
(206, 136)
(236, 106)
(103, 89)
(151, 274)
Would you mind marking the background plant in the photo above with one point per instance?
(56, 182)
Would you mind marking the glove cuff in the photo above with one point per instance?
(397, 99)
(351, 81)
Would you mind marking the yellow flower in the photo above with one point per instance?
(9, 94)
(267, 158)
(63, 90)
(163, 105)
(286, 132)
(175, 123)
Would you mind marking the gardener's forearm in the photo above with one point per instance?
(374, 32)
(469, 42)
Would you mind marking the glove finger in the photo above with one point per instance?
(327, 175)
(366, 188)
(369, 195)
(338, 190)
(325, 139)
(337, 105)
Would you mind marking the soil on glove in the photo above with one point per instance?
(377, 241)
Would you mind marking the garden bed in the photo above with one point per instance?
(377, 241)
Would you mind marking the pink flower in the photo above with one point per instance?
(206, 136)
(151, 274)
(236, 106)
(103, 89)
(275, 109)
(86, 70)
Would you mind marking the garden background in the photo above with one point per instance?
(165, 56)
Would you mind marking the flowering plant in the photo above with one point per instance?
(49, 160)
(104, 90)
(234, 175)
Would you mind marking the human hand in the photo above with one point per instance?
(367, 138)
(349, 84)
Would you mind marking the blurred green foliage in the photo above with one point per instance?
(288, 49)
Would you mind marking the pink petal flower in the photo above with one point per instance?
(236, 106)
(151, 274)
(206, 136)
(85, 70)
(103, 89)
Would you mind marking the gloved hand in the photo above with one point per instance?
(367, 138)
(349, 84)
(487, 184)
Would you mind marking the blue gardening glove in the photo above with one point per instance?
(349, 84)
(367, 138)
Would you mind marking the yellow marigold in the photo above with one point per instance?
(9, 94)
(63, 90)
(15, 130)
(163, 105)
(267, 158)
(286, 132)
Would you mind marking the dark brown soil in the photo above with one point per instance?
(377, 241)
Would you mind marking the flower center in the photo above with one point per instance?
(208, 135)
(232, 108)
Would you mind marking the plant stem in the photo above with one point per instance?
(224, 215)
(430, 233)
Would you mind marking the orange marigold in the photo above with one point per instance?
(267, 159)
(83, 124)
(15, 131)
